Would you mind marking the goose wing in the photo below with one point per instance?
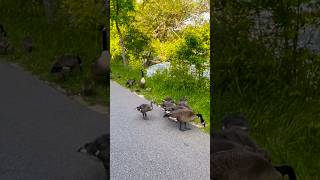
(241, 164)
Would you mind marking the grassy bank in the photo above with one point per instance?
(52, 40)
(287, 126)
(162, 85)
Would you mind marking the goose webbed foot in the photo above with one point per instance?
(180, 128)
(186, 127)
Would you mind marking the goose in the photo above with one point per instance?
(167, 105)
(243, 138)
(144, 108)
(245, 165)
(130, 82)
(4, 43)
(221, 144)
(27, 43)
(99, 148)
(168, 98)
(183, 102)
(238, 121)
(142, 80)
(101, 67)
(238, 138)
(184, 116)
(66, 63)
(3, 33)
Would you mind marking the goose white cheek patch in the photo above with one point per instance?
(173, 119)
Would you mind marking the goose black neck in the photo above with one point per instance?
(1, 28)
(3, 31)
(287, 170)
(200, 116)
(104, 39)
(142, 75)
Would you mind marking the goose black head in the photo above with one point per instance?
(3, 31)
(104, 38)
(202, 120)
(184, 98)
(56, 68)
(237, 121)
(79, 62)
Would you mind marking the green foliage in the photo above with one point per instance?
(195, 48)
(161, 17)
(84, 13)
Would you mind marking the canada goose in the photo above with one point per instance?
(238, 121)
(184, 116)
(168, 98)
(27, 44)
(4, 43)
(142, 80)
(130, 82)
(167, 105)
(245, 165)
(144, 108)
(101, 67)
(242, 137)
(66, 63)
(183, 103)
(239, 139)
(3, 33)
(98, 148)
(221, 144)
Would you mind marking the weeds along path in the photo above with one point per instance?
(41, 130)
(154, 148)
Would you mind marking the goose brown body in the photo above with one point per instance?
(101, 68)
(183, 116)
(4, 43)
(66, 63)
(144, 108)
(242, 165)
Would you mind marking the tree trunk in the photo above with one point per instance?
(108, 24)
(122, 45)
(120, 35)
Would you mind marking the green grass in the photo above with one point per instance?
(50, 41)
(162, 85)
(288, 127)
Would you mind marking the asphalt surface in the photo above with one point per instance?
(153, 149)
(41, 130)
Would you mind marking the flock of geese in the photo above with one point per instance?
(236, 156)
(179, 112)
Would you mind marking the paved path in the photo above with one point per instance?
(153, 149)
(41, 130)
